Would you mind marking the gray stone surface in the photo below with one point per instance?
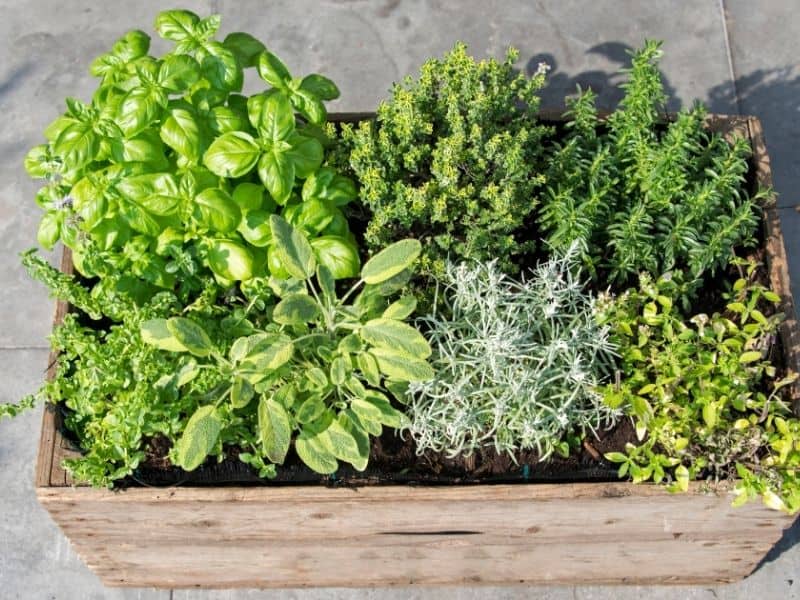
(36, 561)
(365, 46)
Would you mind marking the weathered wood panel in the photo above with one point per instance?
(397, 535)
(290, 537)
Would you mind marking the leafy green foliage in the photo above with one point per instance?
(517, 363)
(695, 390)
(168, 173)
(639, 196)
(451, 159)
(320, 372)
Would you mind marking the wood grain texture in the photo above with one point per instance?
(398, 535)
(315, 536)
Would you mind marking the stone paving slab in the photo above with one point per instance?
(36, 561)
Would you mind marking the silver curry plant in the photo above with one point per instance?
(517, 364)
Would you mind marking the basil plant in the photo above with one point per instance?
(322, 373)
(170, 174)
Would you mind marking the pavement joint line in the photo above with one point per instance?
(2, 348)
(729, 54)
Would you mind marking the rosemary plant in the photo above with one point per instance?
(517, 363)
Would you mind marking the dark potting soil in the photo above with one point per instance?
(394, 460)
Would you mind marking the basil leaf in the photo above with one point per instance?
(140, 107)
(321, 87)
(246, 48)
(248, 196)
(308, 105)
(277, 173)
(230, 260)
(232, 154)
(176, 25)
(190, 335)
(255, 228)
(145, 147)
(178, 72)
(305, 153)
(181, 132)
(222, 119)
(216, 210)
(49, 229)
(293, 249)
(198, 438)
(273, 71)
(221, 68)
(338, 255)
(326, 184)
(391, 261)
(276, 120)
(275, 429)
(76, 145)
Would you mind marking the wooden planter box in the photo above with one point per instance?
(300, 536)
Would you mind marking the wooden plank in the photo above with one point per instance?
(286, 537)
(777, 261)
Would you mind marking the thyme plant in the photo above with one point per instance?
(517, 363)
(453, 160)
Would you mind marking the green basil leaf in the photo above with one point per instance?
(230, 260)
(215, 210)
(276, 121)
(312, 216)
(396, 336)
(178, 72)
(293, 249)
(138, 109)
(273, 71)
(145, 147)
(326, 184)
(308, 105)
(221, 68)
(295, 309)
(232, 154)
(338, 255)
(255, 104)
(39, 162)
(401, 309)
(49, 229)
(77, 145)
(190, 335)
(391, 261)
(139, 218)
(249, 196)
(199, 438)
(246, 48)
(181, 132)
(321, 87)
(274, 429)
(222, 119)
(305, 153)
(155, 333)
(277, 172)
(255, 228)
(398, 365)
(176, 25)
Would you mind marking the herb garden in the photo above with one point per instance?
(456, 291)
